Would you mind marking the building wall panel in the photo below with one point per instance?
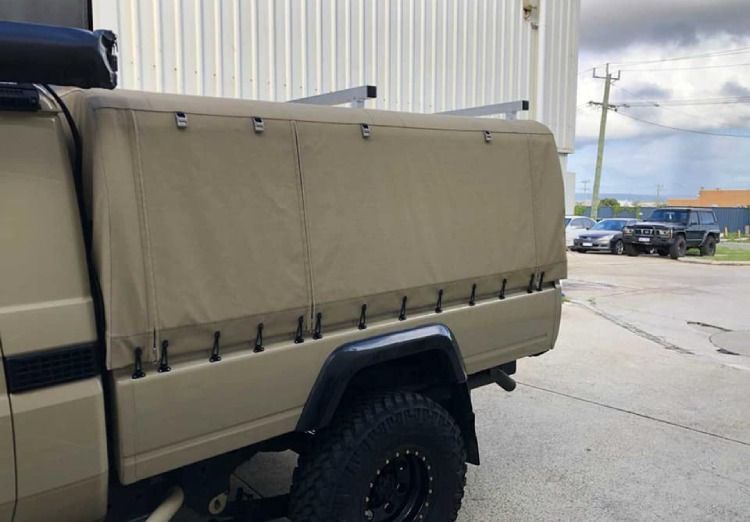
(423, 55)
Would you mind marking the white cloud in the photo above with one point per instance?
(679, 84)
(639, 156)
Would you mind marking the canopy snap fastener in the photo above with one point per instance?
(259, 339)
(164, 359)
(317, 333)
(402, 312)
(181, 120)
(487, 136)
(541, 281)
(439, 305)
(365, 130)
(531, 284)
(215, 357)
(258, 125)
(362, 317)
(473, 298)
(299, 338)
(138, 367)
(502, 289)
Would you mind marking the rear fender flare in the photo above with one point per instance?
(346, 361)
(708, 234)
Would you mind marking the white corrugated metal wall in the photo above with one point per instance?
(423, 55)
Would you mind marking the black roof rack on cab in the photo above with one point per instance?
(48, 54)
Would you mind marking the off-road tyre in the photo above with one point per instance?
(708, 248)
(618, 247)
(361, 461)
(678, 248)
(631, 250)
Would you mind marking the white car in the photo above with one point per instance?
(575, 226)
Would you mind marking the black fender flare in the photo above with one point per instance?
(343, 364)
(708, 233)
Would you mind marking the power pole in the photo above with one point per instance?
(608, 80)
(659, 186)
(585, 188)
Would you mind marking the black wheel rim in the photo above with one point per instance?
(681, 247)
(401, 488)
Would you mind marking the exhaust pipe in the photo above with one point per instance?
(502, 379)
(169, 507)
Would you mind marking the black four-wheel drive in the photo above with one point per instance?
(671, 231)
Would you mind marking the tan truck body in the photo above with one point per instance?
(215, 225)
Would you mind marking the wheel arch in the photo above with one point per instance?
(425, 359)
(710, 233)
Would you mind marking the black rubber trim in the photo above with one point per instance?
(347, 360)
(59, 365)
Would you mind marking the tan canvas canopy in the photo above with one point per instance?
(215, 225)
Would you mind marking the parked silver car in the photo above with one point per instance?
(606, 235)
(575, 226)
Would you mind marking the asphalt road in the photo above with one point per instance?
(634, 416)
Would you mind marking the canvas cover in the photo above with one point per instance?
(216, 227)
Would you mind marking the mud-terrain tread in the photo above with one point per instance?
(675, 252)
(708, 248)
(631, 250)
(322, 467)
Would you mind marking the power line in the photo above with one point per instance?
(665, 69)
(694, 131)
(725, 52)
(656, 104)
(678, 102)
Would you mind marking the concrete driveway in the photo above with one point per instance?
(680, 305)
(634, 416)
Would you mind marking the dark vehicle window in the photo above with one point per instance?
(693, 218)
(610, 224)
(669, 216)
(707, 218)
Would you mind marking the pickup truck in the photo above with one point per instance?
(189, 281)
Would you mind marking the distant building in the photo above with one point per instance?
(715, 198)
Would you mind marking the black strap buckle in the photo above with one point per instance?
(259, 339)
(164, 359)
(299, 338)
(215, 357)
(363, 318)
(138, 372)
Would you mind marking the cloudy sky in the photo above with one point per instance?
(638, 155)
